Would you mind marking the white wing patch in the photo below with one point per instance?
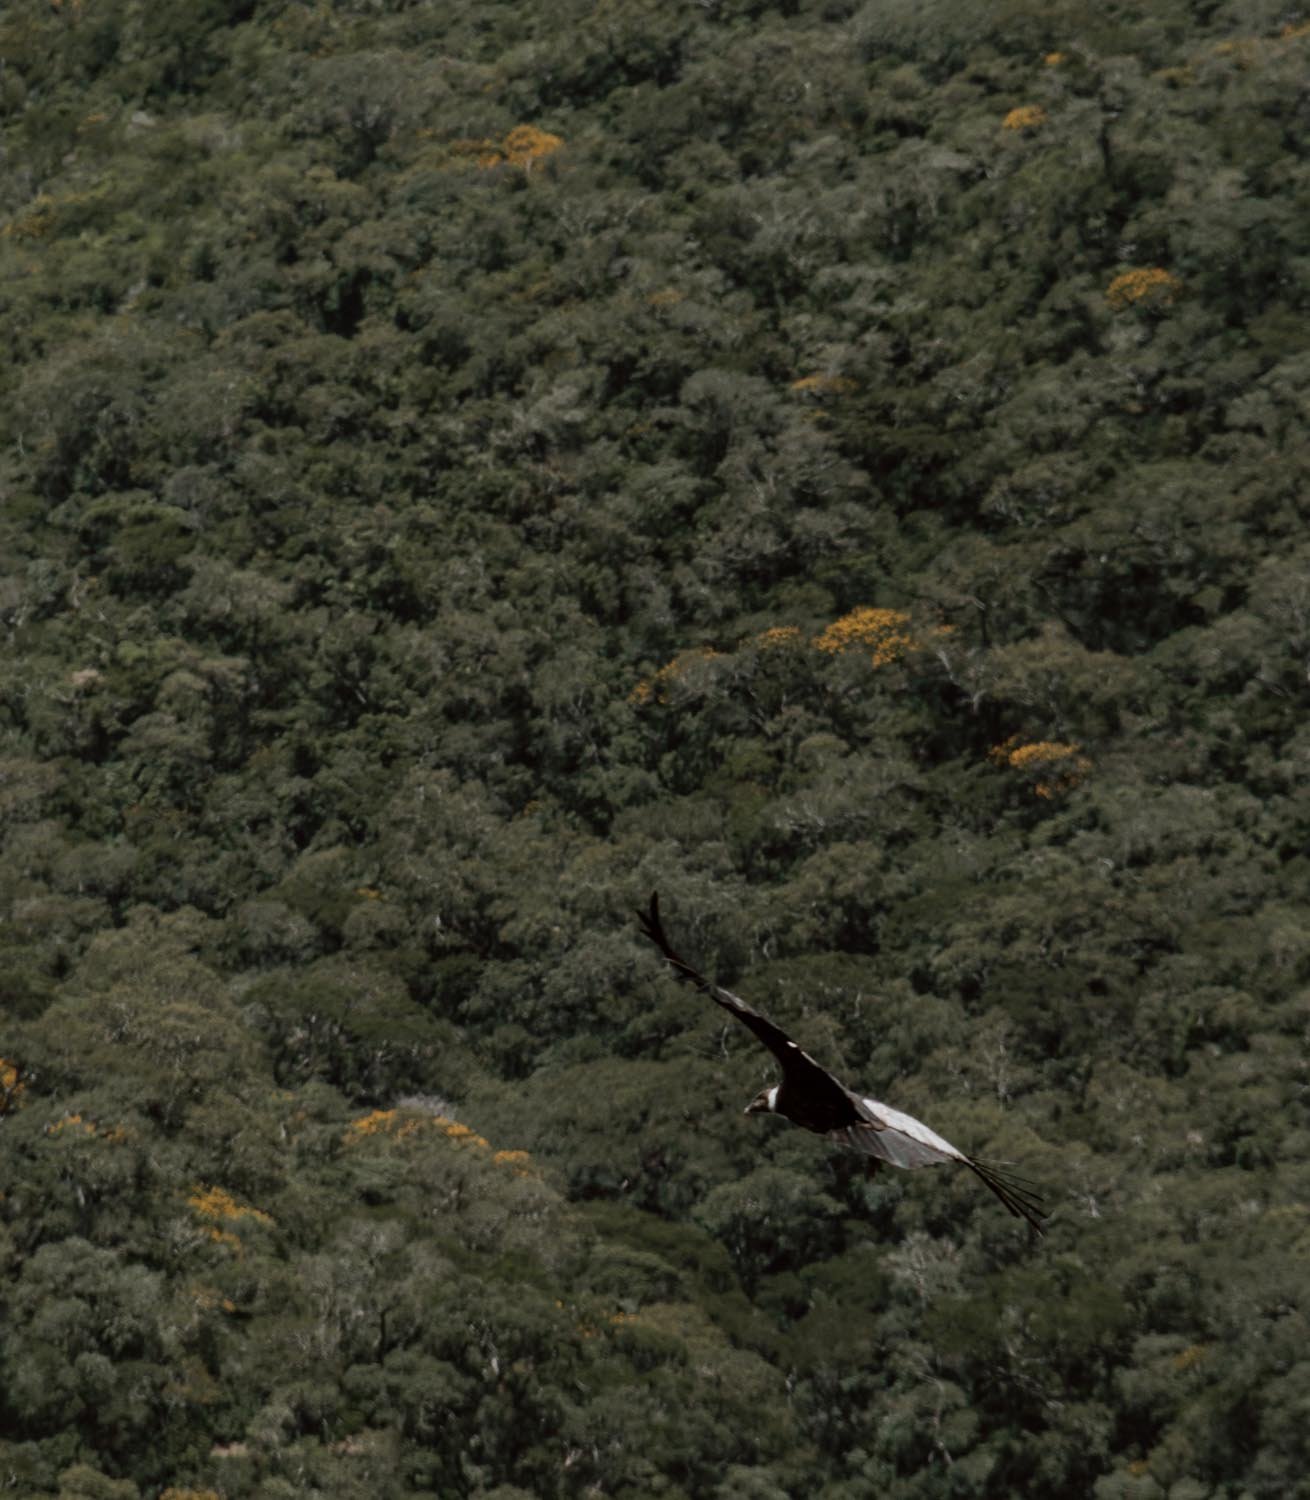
(905, 1141)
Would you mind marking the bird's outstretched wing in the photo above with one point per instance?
(819, 1102)
(903, 1141)
(798, 1066)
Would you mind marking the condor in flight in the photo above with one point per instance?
(811, 1097)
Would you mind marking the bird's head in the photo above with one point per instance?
(765, 1102)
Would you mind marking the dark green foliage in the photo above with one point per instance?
(465, 467)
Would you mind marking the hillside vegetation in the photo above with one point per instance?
(466, 466)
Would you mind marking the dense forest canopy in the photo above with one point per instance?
(464, 467)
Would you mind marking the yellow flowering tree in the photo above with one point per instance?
(216, 1208)
(822, 385)
(404, 1125)
(777, 637)
(686, 671)
(75, 1124)
(523, 146)
(883, 633)
(1049, 766)
(526, 144)
(1024, 117)
(11, 1086)
(886, 635)
(1145, 286)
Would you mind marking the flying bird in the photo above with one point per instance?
(811, 1097)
